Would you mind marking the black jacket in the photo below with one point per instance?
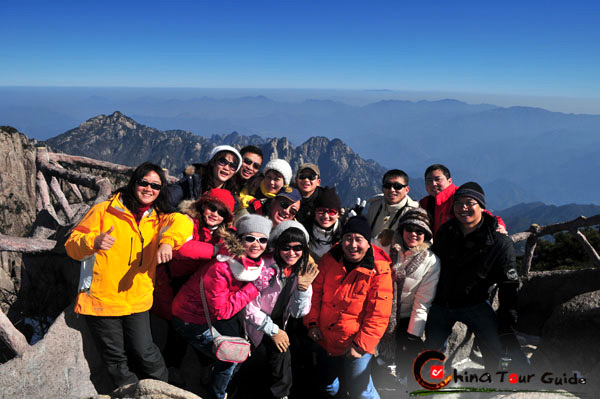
(471, 264)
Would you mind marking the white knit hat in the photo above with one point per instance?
(283, 226)
(228, 148)
(281, 166)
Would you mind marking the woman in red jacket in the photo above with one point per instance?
(208, 213)
(350, 310)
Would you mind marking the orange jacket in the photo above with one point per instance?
(351, 308)
(122, 276)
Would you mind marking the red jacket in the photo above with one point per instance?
(442, 208)
(190, 257)
(351, 308)
(227, 285)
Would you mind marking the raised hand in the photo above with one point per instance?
(104, 241)
(305, 279)
(358, 208)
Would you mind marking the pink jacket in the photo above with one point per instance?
(228, 288)
(257, 313)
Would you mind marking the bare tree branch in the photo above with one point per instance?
(25, 245)
(11, 336)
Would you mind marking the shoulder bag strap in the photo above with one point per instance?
(206, 307)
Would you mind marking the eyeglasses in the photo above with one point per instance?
(309, 176)
(295, 248)
(469, 204)
(153, 186)
(214, 208)
(330, 211)
(413, 229)
(397, 186)
(224, 162)
(254, 165)
(286, 206)
(250, 239)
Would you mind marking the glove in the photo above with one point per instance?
(306, 279)
(358, 208)
(264, 279)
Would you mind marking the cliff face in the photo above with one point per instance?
(117, 138)
(17, 204)
(17, 182)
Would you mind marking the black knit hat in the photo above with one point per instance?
(358, 224)
(417, 217)
(328, 198)
(473, 190)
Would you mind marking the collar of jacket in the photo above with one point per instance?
(117, 204)
(266, 194)
(243, 268)
(484, 233)
(445, 194)
(368, 262)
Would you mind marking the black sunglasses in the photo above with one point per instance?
(413, 229)
(229, 164)
(153, 186)
(250, 239)
(295, 248)
(285, 205)
(397, 186)
(214, 208)
(309, 176)
(254, 165)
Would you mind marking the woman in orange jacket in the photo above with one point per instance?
(350, 310)
(119, 243)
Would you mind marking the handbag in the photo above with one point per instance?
(225, 348)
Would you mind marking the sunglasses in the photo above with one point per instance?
(308, 176)
(286, 206)
(330, 211)
(397, 186)
(412, 229)
(295, 248)
(254, 165)
(153, 186)
(224, 162)
(214, 208)
(250, 239)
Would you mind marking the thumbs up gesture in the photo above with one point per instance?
(104, 241)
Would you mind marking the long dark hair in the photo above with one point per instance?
(293, 234)
(205, 170)
(128, 192)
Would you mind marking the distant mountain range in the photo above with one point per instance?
(518, 154)
(120, 139)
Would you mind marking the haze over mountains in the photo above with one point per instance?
(518, 154)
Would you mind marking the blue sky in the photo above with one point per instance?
(538, 49)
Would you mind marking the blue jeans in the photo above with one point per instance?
(348, 374)
(480, 318)
(199, 337)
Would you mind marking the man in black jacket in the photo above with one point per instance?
(474, 257)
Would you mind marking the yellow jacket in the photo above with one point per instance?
(122, 276)
(245, 197)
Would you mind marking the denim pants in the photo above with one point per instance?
(340, 373)
(480, 318)
(200, 338)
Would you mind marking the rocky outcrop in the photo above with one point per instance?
(117, 138)
(17, 202)
(59, 366)
(570, 336)
(542, 292)
(150, 389)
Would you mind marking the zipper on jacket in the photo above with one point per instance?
(130, 250)
(141, 257)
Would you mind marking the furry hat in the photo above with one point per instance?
(328, 198)
(281, 166)
(417, 217)
(226, 148)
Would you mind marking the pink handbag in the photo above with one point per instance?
(225, 348)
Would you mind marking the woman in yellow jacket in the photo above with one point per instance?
(119, 243)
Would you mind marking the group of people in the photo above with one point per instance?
(318, 290)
